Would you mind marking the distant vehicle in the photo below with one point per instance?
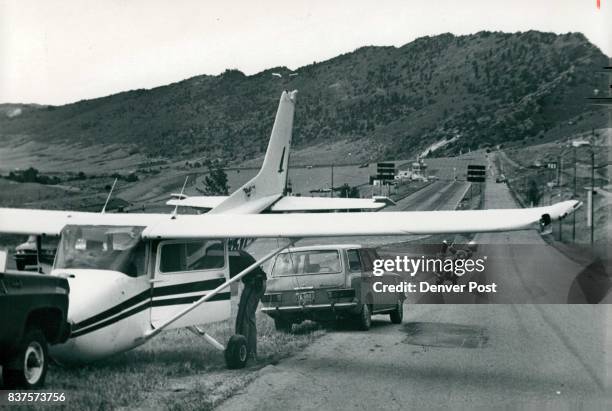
(536, 164)
(328, 283)
(308, 167)
(454, 251)
(500, 178)
(25, 254)
(34, 309)
(403, 174)
(364, 165)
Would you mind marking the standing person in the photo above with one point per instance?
(254, 288)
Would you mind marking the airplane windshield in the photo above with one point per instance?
(116, 248)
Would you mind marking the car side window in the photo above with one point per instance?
(354, 261)
(366, 261)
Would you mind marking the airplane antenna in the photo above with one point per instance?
(110, 193)
(181, 196)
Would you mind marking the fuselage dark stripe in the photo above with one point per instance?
(187, 287)
(138, 298)
(189, 300)
(156, 303)
(155, 292)
(111, 321)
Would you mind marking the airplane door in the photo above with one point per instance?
(185, 271)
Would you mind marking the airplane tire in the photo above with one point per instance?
(28, 368)
(397, 315)
(236, 352)
(364, 320)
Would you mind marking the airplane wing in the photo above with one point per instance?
(357, 224)
(292, 204)
(51, 222)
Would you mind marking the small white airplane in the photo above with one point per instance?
(133, 275)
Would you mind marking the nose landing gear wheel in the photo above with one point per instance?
(236, 353)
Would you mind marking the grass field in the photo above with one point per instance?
(176, 370)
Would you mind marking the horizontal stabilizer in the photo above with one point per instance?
(202, 202)
(305, 204)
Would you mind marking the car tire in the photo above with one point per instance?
(364, 320)
(28, 368)
(397, 315)
(282, 325)
(236, 352)
(20, 265)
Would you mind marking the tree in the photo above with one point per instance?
(30, 175)
(216, 182)
(347, 191)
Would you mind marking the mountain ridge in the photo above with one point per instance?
(477, 90)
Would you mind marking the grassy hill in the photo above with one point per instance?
(482, 89)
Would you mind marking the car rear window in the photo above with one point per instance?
(354, 260)
(306, 263)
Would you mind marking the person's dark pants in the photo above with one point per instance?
(245, 321)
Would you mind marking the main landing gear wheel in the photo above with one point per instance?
(236, 352)
(29, 366)
(364, 320)
(397, 315)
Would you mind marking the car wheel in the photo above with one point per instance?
(20, 265)
(29, 366)
(236, 352)
(364, 321)
(282, 325)
(397, 315)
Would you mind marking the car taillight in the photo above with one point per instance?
(345, 293)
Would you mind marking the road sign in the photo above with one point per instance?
(476, 173)
(385, 171)
(552, 166)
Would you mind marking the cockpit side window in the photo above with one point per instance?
(194, 255)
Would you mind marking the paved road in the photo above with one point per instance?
(459, 357)
(529, 356)
(439, 195)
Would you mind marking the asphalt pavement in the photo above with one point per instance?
(468, 356)
(446, 357)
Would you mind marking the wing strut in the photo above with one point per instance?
(152, 333)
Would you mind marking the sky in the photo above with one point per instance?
(57, 52)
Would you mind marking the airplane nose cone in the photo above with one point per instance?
(95, 299)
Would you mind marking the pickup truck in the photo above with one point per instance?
(329, 283)
(26, 253)
(33, 311)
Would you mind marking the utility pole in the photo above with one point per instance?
(574, 214)
(332, 181)
(592, 192)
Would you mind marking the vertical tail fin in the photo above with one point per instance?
(269, 184)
